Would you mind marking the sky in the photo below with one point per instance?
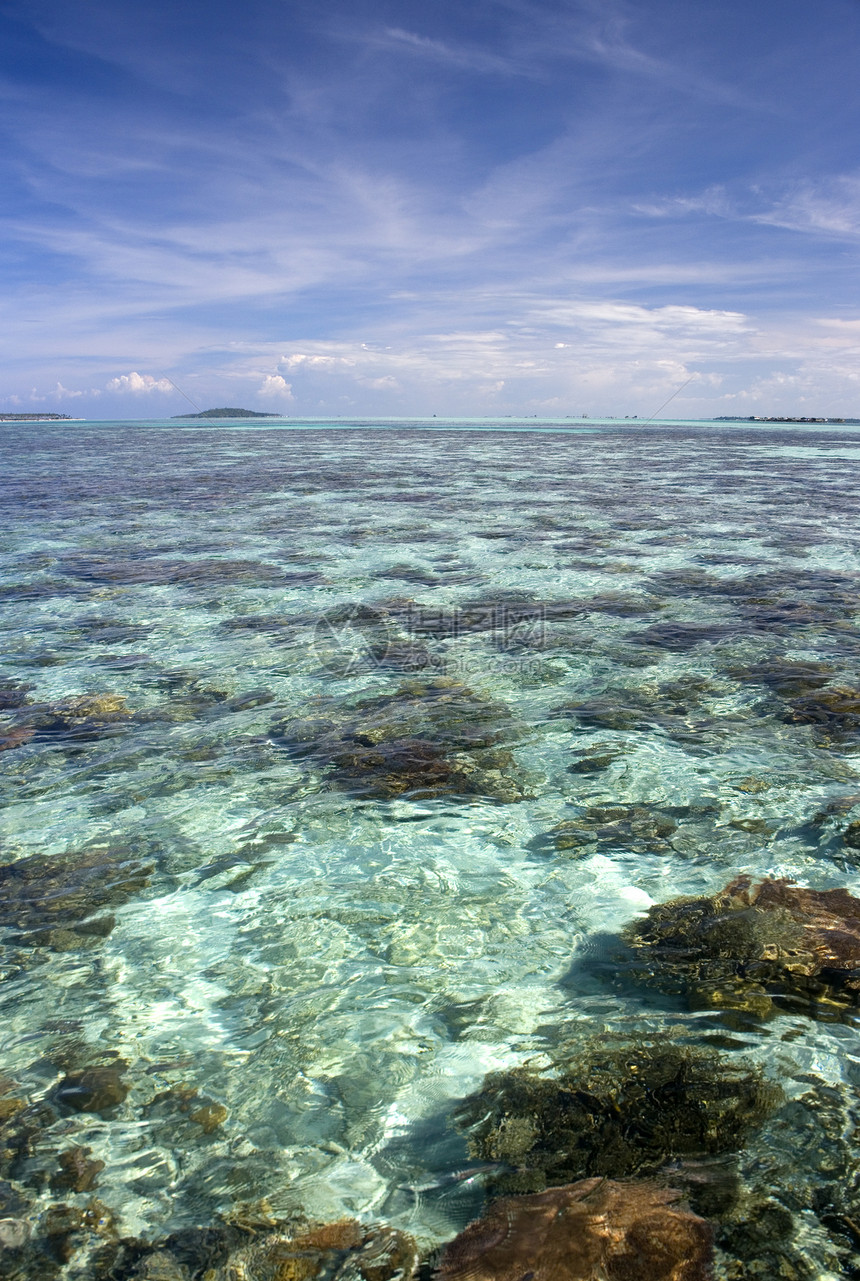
(459, 207)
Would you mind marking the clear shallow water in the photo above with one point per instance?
(338, 963)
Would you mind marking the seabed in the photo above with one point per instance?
(399, 817)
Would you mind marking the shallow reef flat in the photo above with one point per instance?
(429, 854)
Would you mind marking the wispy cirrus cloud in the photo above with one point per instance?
(461, 57)
(827, 207)
(394, 204)
(830, 208)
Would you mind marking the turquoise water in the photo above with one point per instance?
(572, 616)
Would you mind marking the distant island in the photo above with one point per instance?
(732, 418)
(38, 418)
(228, 413)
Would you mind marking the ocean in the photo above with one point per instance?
(346, 767)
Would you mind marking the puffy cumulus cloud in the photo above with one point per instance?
(139, 384)
(275, 387)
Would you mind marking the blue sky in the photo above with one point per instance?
(374, 208)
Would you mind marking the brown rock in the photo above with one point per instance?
(94, 1089)
(15, 736)
(54, 901)
(851, 835)
(773, 941)
(9, 1108)
(834, 712)
(77, 1172)
(593, 1230)
(209, 1116)
(346, 1249)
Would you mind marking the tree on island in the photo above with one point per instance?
(231, 412)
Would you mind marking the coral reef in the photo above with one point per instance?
(618, 1109)
(631, 827)
(80, 718)
(834, 713)
(262, 1249)
(56, 901)
(750, 947)
(593, 1230)
(429, 738)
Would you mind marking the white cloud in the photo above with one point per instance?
(831, 208)
(621, 355)
(463, 57)
(301, 360)
(139, 384)
(275, 387)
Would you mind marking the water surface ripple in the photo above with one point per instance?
(338, 759)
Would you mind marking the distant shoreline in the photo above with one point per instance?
(39, 418)
(731, 418)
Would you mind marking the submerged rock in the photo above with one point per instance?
(93, 1089)
(750, 947)
(334, 1252)
(679, 637)
(80, 718)
(786, 677)
(12, 736)
(23, 1127)
(851, 835)
(619, 1109)
(186, 1100)
(429, 738)
(65, 1227)
(405, 656)
(77, 1172)
(593, 1230)
(262, 1249)
(596, 759)
(93, 568)
(55, 901)
(101, 630)
(833, 711)
(13, 694)
(677, 709)
(631, 827)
